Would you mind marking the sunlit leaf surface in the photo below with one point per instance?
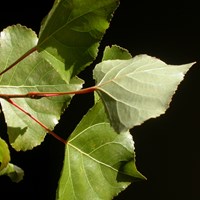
(31, 74)
(99, 163)
(70, 34)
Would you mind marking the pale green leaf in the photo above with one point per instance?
(4, 154)
(99, 163)
(70, 34)
(112, 53)
(15, 173)
(116, 52)
(137, 89)
(31, 74)
(6, 168)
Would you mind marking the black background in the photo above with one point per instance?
(167, 148)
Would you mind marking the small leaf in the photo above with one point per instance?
(4, 154)
(116, 52)
(6, 168)
(137, 89)
(70, 34)
(31, 74)
(99, 163)
(15, 173)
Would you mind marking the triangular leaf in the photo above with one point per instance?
(70, 34)
(31, 74)
(99, 163)
(137, 89)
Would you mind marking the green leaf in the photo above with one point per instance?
(70, 34)
(4, 154)
(116, 52)
(137, 89)
(99, 163)
(15, 173)
(31, 74)
(6, 168)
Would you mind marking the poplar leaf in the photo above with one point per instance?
(116, 52)
(71, 43)
(99, 163)
(33, 74)
(137, 89)
(4, 154)
(15, 173)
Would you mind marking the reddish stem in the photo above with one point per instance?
(38, 95)
(18, 60)
(37, 121)
(54, 94)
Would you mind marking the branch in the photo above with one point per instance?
(37, 121)
(19, 60)
(39, 95)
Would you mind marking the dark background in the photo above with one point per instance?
(167, 148)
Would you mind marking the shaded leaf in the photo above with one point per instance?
(70, 34)
(31, 74)
(99, 163)
(137, 89)
(6, 168)
(15, 173)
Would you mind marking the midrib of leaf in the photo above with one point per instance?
(101, 83)
(91, 126)
(117, 100)
(87, 155)
(92, 158)
(128, 74)
(113, 97)
(67, 23)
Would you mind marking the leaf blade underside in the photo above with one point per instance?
(137, 89)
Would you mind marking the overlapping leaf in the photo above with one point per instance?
(137, 89)
(99, 163)
(31, 74)
(4, 154)
(6, 168)
(70, 34)
(116, 52)
(14, 172)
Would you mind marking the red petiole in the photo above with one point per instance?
(37, 121)
(38, 95)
